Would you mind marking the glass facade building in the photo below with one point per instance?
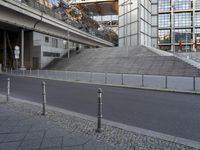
(138, 22)
(179, 25)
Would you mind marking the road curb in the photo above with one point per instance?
(150, 133)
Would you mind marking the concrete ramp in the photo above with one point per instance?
(134, 60)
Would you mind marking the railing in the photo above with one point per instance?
(178, 83)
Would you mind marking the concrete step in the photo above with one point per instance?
(120, 60)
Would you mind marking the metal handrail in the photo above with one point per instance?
(132, 80)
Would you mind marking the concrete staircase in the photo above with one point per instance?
(135, 60)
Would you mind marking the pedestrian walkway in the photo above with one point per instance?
(18, 131)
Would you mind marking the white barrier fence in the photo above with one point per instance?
(181, 83)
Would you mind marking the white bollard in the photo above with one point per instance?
(8, 90)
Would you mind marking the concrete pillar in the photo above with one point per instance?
(22, 49)
(173, 28)
(68, 50)
(5, 51)
(194, 24)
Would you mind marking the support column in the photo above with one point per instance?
(193, 24)
(68, 45)
(5, 50)
(22, 49)
(173, 28)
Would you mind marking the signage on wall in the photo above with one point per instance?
(17, 52)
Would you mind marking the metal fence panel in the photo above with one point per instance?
(43, 73)
(72, 76)
(132, 80)
(114, 78)
(51, 74)
(26, 72)
(84, 76)
(197, 83)
(98, 77)
(154, 81)
(135, 80)
(61, 75)
(180, 83)
(20, 72)
(34, 73)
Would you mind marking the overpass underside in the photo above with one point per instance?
(10, 36)
(41, 38)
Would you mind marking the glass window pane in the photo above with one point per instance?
(198, 4)
(164, 36)
(183, 35)
(164, 5)
(183, 4)
(164, 20)
(183, 19)
(197, 18)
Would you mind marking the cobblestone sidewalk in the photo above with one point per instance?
(19, 131)
(22, 128)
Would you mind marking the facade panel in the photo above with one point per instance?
(137, 23)
(179, 19)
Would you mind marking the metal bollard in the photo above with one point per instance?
(44, 98)
(194, 83)
(8, 90)
(99, 111)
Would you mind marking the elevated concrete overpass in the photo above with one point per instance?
(40, 36)
(18, 14)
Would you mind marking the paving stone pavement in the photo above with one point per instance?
(23, 128)
(18, 131)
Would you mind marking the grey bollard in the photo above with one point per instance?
(8, 90)
(99, 111)
(44, 98)
(194, 83)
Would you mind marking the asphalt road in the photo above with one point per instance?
(171, 113)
